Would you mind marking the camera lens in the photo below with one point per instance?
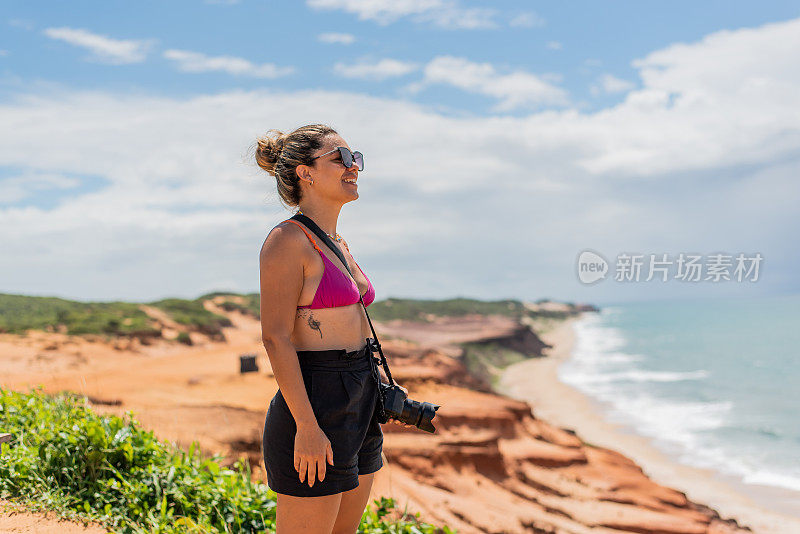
(419, 414)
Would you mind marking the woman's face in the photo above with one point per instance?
(329, 173)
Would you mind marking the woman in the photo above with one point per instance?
(322, 443)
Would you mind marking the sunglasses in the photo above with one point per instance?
(347, 157)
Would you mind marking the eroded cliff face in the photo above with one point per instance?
(492, 466)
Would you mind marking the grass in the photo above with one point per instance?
(421, 310)
(425, 310)
(19, 313)
(384, 310)
(486, 360)
(191, 313)
(66, 458)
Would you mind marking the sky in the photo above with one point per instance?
(501, 140)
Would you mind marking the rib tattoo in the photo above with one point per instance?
(314, 324)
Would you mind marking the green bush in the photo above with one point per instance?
(19, 313)
(192, 313)
(486, 360)
(64, 457)
(420, 310)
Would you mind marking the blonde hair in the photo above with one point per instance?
(279, 154)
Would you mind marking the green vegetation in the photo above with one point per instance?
(411, 309)
(192, 313)
(19, 313)
(66, 458)
(420, 310)
(408, 309)
(543, 325)
(486, 360)
(183, 337)
(424, 310)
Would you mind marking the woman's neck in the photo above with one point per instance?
(325, 217)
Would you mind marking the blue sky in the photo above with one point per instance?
(580, 43)
(500, 139)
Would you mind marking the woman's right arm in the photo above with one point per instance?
(281, 275)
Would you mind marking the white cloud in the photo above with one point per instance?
(512, 89)
(337, 38)
(553, 45)
(608, 83)
(4, 53)
(689, 161)
(23, 186)
(527, 20)
(730, 63)
(729, 99)
(454, 17)
(447, 14)
(196, 62)
(380, 70)
(104, 49)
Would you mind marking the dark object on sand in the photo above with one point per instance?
(247, 363)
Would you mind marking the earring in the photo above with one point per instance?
(312, 182)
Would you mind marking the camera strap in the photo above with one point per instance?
(329, 243)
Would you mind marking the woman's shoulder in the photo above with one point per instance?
(285, 239)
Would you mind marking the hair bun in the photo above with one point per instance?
(269, 149)
(280, 154)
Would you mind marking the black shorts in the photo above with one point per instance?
(343, 390)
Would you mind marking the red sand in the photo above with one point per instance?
(492, 465)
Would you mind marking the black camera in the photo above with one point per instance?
(396, 405)
(394, 402)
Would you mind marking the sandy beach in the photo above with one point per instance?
(536, 381)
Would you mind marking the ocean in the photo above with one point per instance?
(715, 383)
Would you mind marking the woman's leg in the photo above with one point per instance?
(306, 515)
(352, 506)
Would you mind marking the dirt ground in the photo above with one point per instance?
(491, 466)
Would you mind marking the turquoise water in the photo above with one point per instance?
(715, 383)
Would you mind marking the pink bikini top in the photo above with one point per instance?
(336, 288)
